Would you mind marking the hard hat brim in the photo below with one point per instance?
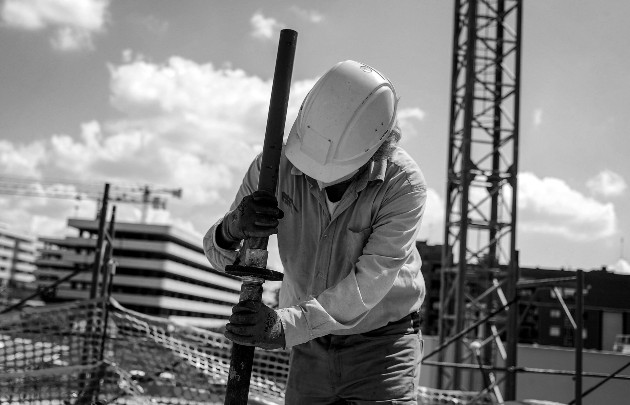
(324, 172)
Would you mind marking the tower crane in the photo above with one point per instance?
(479, 252)
(147, 195)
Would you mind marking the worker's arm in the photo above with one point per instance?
(252, 214)
(220, 247)
(387, 250)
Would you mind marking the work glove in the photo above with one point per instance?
(256, 216)
(252, 323)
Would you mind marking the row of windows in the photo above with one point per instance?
(132, 254)
(164, 293)
(567, 292)
(20, 248)
(164, 312)
(177, 277)
(78, 285)
(149, 237)
(556, 331)
(151, 274)
(155, 255)
(4, 268)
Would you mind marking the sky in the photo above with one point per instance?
(175, 94)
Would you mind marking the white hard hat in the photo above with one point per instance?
(344, 119)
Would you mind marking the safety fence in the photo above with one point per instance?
(61, 354)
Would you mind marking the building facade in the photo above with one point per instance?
(17, 260)
(161, 270)
(606, 309)
(541, 315)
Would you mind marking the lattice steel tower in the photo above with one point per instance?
(479, 246)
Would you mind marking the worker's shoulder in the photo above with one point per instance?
(401, 164)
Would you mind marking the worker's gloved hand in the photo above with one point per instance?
(256, 216)
(255, 324)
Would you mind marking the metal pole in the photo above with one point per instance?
(252, 261)
(465, 178)
(512, 330)
(98, 251)
(89, 350)
(109, 251)
(513, 312)
(447, 253)
(108, 267)
(579, 342)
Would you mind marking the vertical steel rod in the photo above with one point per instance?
(513, 313)
(90, 349)
(241, 361)
(465, 178)
(579, 341)
(98, 251)
(447, 253)
(512, 330)
(109, 252)
(242, 357)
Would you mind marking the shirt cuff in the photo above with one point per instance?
(218, 256)
(296, 329)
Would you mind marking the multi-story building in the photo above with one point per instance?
(542, 317)
(161, 270)
(606, 309)
(17, 260)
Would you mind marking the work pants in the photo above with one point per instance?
(377, 367)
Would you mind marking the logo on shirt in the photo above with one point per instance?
(288, 201)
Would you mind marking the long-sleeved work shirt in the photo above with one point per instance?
(352, 271)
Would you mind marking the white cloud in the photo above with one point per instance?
(264, 27)
(21, 159)
(607, 183)
(411, 113)
(71, 39)
(432, 229)
(42, 216)
(407, 121)
(183, 124)
(620, 267)
(191, 105)
(312, 16)
(538, 116)
(73, 22)
(550, 206)
(151, 23)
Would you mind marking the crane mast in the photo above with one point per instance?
(479, 251)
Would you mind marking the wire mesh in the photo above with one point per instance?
(432, 396)
(52, 355)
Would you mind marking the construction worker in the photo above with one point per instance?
(347, 211)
